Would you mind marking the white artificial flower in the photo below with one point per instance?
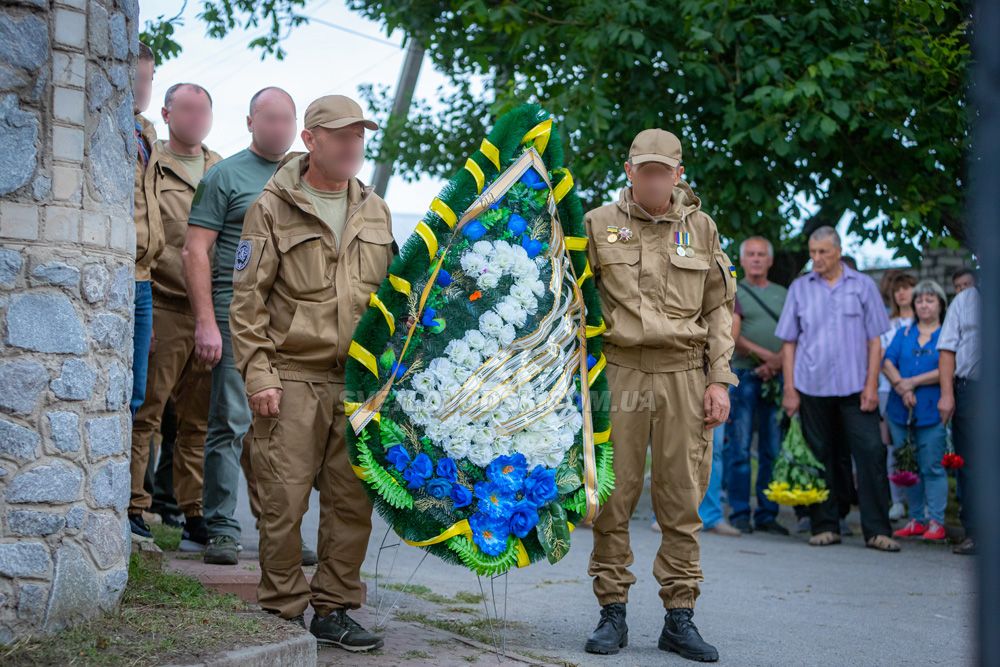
(484, 248)
(473, 264)
(537, 286)
(490, 324)
(511, 312)
(507, 334)
(490, 278)
(491, 347)
(474, 339)
(423, 382)
(523, 295)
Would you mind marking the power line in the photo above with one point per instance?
(356, 33)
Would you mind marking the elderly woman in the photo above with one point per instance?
(911, 365)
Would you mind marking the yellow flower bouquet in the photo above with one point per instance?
(797, 478)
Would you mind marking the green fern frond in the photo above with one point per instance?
(480, 563)
(380, 480)
(605, 480)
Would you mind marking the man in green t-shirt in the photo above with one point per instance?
(222, 199)
(757, 364)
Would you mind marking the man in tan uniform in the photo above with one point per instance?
(315, 245)
(667, 293)
(175, 168)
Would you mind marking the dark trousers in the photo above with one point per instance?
(834, 426)
(962, 433)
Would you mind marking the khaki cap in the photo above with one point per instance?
(334, 112)
(655, 145)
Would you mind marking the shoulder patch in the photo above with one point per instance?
(243, 253)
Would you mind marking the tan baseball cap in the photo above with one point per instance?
(655, 145)
(334, 112)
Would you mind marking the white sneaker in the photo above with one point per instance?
(897, 511)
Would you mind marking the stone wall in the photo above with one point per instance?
(67, 243)
(935, 264)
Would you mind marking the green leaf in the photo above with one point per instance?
(553, 531)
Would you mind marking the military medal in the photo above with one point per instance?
(682, 239)
(623, 234)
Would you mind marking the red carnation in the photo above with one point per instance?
(952, 461)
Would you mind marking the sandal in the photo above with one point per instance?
(883, 543)
(824, 539)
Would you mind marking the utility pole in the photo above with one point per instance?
(400, 106)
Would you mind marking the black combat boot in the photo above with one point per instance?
(611, 633)
(681, 636)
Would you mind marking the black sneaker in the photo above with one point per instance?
(682, 637)
(339, 629)
(221, 550)
(772, 527)
(966, 548)
(194, 538)
(140, 530)
(309, 556)
(611, 633)
(742, 524)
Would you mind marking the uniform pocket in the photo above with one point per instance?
(374, 254)
(303, 263)
(313, 326)
(849, 304)
(263, 458)
(685, 285)
(619, 272)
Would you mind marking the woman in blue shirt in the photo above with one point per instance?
(911, 364)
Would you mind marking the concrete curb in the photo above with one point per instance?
(298, 651)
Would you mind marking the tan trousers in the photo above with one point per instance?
(306, 443)
(664, 410)
(246, 463)
(173, 373)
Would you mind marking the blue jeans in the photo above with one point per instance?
(928, 498)
(710, 509)
(140, 343)
(748, 406)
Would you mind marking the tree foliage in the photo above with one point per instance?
(273, 19)
(801, 109)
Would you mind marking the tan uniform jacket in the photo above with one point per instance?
(173, 188)
(297, 296)
(664, 311)
(148, 230)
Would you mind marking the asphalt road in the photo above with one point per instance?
(766, 600)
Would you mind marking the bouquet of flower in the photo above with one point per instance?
(907, 471)
(470, 374)
(951, 460)
(797, 477)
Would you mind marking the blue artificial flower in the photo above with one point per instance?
(419, 471)
(461, 496)
(474, 230)
(523, 518)
(540, 486)
(517, 225)
(493, 500)
(447, 469)
(531, 246)
(508, 472)
(533, 180)
(497, 204)
(397, 369)
(438, 488)
(591, 360)
(398, 456)
(489, 534)
(443, 278)
(427, 319)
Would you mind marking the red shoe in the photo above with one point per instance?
(935, 532)
(913, 529)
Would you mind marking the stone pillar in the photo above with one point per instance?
(67, 244)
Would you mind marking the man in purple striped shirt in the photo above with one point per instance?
(831, 323)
